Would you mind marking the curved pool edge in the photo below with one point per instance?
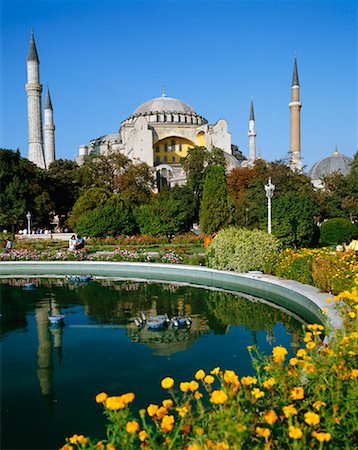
(302, 299)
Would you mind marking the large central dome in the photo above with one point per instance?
(164, 104)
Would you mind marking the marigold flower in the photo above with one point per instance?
(182, 411)
(167, 383)
(101, 397)
(321, 437)
(152, 409)
(354, 374)
(184, 386)
(312, 418)
(310, 345)
(167, 424)
(352, 314)
(222, 446)
(257, 393)
(297, 393)
(73, 439)
(270, 416)
(267, 384)
(128, 398)
(301, 353)
(279, 353)
(161, 412)
(317, 405)
(142, 435)
(193, 386)
(115, 403)
(209, 379)
(308, 337)
(132, 426)
(263, 432)
(218, 397)
(231, 377)
(294, 432)
(67, 447)
(110, 446)
(167, 403)
(198, 395)
(199, 431)
(200, 374)
(194, 447)
(99, 445)
(247, 381)
(293, 361)
(215, 371)
(289, 410)
(82, 440)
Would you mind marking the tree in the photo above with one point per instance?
(215, 206)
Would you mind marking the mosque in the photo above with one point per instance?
(159, 132)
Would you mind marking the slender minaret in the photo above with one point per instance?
(34, 112)
(49, 130)
(252, 135)
(295, 126)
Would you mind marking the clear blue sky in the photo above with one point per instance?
(102, 59)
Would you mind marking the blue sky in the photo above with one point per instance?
(102, 59)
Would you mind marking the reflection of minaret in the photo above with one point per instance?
(295, 126)
(252, 135)
(44, 351)
(56, 331)
(295, 340)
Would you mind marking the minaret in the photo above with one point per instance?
(49, 130)
(295, 126)
(34, 112)
(252, 135)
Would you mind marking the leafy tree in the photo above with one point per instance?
(215, 206)
(292, 219)
(337, 230)
(135, 184)
(106, 221)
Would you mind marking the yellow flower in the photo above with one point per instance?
(161, 412)
(308, 337)
(110, 446)
(194, 447)
(324, 311)
(167, 424)
(193, 386)
(66, 447)
(321, 437)
(128, 398)
(289, 410)
(215, 371)
(279, 353)
(294, 432)
(209, 379)
(102, 397)
(218, 397)
(152, 409)
(293, 361)
(142, 435)
(312, 418)
(257, 393)
(269, 383)
(247, 381)
(132, 426)
(352, 314)
(200, 374)
(167, 403)
(198, 395)
(99, 445)
(270, 416)
(199, 431)
(354, 374)
(167, 383)
(115, 403)
(297, 393)
(82, 440)
(263, 432)
(301, 353)
(328, 300)
(182, 411)
(184, 386)
(73, 439)
(231, 377)
(310, 345)
(317, 405)
(222, 446)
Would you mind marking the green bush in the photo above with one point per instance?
(337, 230)
(106, 221)
(240, 249)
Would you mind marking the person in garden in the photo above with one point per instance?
(353, 246)
(8, 245)
(72, 242)
(80, 243)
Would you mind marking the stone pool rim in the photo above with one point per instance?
(302, 299)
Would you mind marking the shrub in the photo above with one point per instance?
(337, 230)
(106, 220)
(240, 249)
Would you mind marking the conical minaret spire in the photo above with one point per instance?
(49, 130)
(252, 135)
(295, 122)
(34, 110)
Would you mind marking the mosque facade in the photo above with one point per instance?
(159, 132)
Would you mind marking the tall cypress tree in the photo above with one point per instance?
(215, 207)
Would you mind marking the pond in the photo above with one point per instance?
(50, 375)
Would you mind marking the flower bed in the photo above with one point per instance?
(329, 271)
(309, 401)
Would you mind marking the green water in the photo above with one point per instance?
(50, 375)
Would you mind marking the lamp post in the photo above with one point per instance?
(28, 217)
(269, 188)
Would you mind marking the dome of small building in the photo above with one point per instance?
(326, 166)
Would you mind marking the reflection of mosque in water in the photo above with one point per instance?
(222, 310)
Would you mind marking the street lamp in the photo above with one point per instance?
(269, 188)
(28, 217)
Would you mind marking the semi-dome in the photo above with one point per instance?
(326, 166)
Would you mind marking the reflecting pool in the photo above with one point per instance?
(51, 374)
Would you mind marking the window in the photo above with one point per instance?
(165, 147)
(172, 144)
(157, 148)
(165, 159)
(173, 159)
(180, 147)
(157, 159)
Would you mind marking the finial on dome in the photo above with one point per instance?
(164, 92)
(336, 152)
